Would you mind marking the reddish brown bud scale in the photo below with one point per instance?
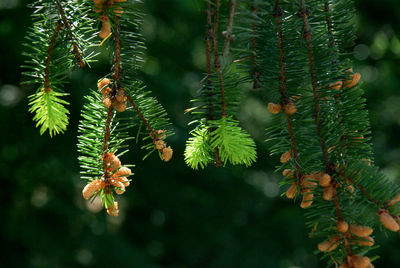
(336, 86)
(353, 81)
(167, 154)
(288, 173)
(290, 108)
(394, 201)
(274, 108)
(103, 82)
(292, 191)
(285, 157)
(388, 221)
(329, 245)
(361, 231)
(325, 180)
(160, 144)
(113, 210)
(106, 102)
(328, 193)
(358, 261)
(307, 200)
(91, 188)
(366, 241)
(342, 226)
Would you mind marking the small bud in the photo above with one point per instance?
(366, 241)
(328, 193)
(354, 79)
(290, 108)
(120, 106)
(329, 245)
(325, 180)
(388, 221)
(274, 108)
(336, 86)
(124, 180)
(160, 133)
(120, 96)
(106, 102)
(285, 157)
(394, 201)
(292, 191)
(288, 173)
(160, 144)
(123, 171)
(103, 82)
(342, 226)
(307, 200)
(120, 188)
(106, 91)
(91, 188)
(111, 161)
(113, 210)
(360, 261)
(167, 154)
(105, 29)
(361, 231)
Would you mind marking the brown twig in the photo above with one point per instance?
(307, 36)
(217, 63)
(284, 94)
(255, 74)
(144, 120)
(106, 138)
(209, 41)
(75, 49)
(117, 56)
(46, 87)
(317, 107)
(228, 33)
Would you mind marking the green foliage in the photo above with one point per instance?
(233, 143)
(199, 152)
(92, 134)
(49, 56)
(49, 110)
(216, 97)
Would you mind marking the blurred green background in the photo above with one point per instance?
(172, 216)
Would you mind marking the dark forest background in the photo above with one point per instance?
(172, 216)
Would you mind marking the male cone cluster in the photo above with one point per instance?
(116, 180)
(118, 101)
(100, 6)
(161, 146)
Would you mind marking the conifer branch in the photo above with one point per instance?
(117, 56)
(75, 49)
(208, 41)
(53, 40)
(228, 33)
(217, 63)
(255, 74)
(285, 98)
(317, 108)
(107, 128)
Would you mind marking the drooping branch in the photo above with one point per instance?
(144, 120)
(284, 94)
(217, 63)
(75, 49)
(317, 107)
(208, 41)
(255, 74)
(228, 33)
(117, 56)
(50, 48)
